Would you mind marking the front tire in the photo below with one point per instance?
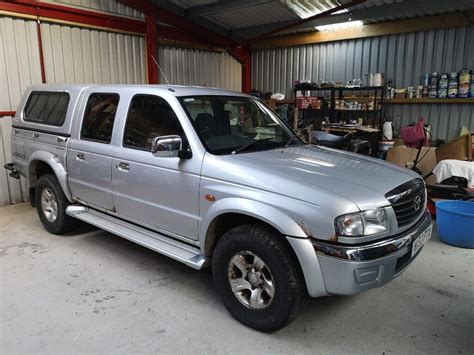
(51, 203)
(258, 277)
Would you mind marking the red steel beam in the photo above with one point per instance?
(181, 22)
(92, 18)
(193, 30)
(187, 31)
(7, 113)
(244, 56)
(70, 14)
(151, 49)
(247, 71)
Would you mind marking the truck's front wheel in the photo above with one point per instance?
(51, 205)
(258, 277)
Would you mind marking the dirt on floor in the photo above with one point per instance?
(91, 291)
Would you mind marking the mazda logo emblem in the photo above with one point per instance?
(417, 203)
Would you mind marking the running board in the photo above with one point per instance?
(174, 249)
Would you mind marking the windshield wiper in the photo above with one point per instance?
(244, 147)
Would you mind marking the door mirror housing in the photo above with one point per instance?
(169, 147)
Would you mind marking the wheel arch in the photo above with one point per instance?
(231, 212)
(41, 163)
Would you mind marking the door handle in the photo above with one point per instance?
(124, 166)
(80, 156)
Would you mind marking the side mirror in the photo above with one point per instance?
(169, 147)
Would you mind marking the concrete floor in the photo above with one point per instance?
(95, 292)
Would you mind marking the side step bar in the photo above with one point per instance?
(13, 170)
(174, 249)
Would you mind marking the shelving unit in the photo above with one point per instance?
(366, 94)
(469, 100)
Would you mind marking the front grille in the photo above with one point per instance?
(408, 201)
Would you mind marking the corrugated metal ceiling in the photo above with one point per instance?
(305, 9)
(185, 4)
(255, 15)
(276, 12)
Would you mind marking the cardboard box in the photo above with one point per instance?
(405, 157)
(459, 149)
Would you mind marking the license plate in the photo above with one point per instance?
(421, 240)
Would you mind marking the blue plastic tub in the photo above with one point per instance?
(456, 223)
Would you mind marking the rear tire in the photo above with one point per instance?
(51, 203)
(258, 277)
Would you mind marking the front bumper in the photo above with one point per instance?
(350, 269)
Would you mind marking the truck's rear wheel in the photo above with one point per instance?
(258, 277)
(51, 205)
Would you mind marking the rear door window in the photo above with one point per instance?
(48, 108)
(99, 117)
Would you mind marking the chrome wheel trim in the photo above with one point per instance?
(49, 206)
(251, 280)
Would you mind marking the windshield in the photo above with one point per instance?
(231, 125)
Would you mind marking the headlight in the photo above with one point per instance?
(369, 222)
(350, 225)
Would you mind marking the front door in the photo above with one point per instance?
(88, 159)
(160, 193)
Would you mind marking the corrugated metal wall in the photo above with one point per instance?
(79, 55)
(404, 58)
(197, 67)
(111, 6)
(82, 55)
(19, 68)
(72, 55)
(19, 60)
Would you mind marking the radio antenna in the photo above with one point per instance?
(167, 81)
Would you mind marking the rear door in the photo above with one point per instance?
(89, 159)
(160, 193)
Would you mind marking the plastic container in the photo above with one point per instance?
(464, 83)
(433, 86)
(384, 146)
(456, 223)
(443, 86)
(453, 85)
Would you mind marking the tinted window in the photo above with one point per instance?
(47, 108)
(99, 117)
(149, 117)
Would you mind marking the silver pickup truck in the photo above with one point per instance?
(208, 176)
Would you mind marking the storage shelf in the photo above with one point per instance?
(344, 110)
(469, 100)
(342, 88)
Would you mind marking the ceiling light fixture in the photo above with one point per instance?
(340, 25)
